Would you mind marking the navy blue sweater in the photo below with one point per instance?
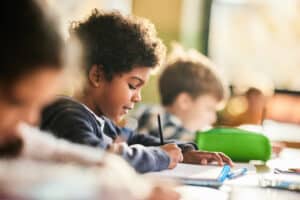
(71, 120)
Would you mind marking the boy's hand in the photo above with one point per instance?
(204, 157)
(116, 148)
(174, 152)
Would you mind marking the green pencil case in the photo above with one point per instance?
(240, 145)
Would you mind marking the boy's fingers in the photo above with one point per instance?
(203, 161)
(226, 159)
(180, 157)
(217, 158)
(172, 145)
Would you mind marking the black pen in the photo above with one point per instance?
(160, 131)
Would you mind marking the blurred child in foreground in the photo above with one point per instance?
(32, 164)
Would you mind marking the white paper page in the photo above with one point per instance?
(202, 172)
(196, 193)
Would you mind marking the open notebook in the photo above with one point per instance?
(204, 175)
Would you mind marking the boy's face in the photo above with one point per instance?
(116, 97)
(201, 112)
(24, 100)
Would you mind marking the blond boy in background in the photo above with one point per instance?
(190, 90)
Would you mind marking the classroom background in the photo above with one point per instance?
(255, 44)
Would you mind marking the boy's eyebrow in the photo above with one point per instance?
(137, 78)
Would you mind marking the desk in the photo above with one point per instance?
(236, 193)
(246, 187)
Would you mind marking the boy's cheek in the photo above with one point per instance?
(211, 119)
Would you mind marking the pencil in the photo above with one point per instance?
(160, 131)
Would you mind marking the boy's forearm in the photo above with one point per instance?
(148, 140)
(146, 159)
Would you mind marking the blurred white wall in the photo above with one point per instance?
(70, 10)
(257, 42)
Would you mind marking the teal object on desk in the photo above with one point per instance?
(240, 145)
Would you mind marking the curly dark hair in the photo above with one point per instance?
(29, 39)
(118, 43)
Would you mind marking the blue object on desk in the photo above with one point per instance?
(224, 173)
(203, 183)
(237, 173)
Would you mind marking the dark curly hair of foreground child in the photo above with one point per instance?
(117, 43)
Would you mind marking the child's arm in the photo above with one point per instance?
(76, 126)
(149, 140)
(41, 146)
(189, 149)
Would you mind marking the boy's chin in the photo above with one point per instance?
(118, 119)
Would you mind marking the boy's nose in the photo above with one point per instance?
(137, 97)
(31, 117)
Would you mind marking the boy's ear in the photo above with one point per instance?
(96, 75)
(184, 101)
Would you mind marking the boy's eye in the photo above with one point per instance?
(131, 87)
(14, 101)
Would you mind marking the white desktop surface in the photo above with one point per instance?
(246, 187)
(196, 193)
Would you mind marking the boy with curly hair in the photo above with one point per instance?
(119, 54)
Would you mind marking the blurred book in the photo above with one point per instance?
(281, 181)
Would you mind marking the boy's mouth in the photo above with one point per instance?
(127, 109)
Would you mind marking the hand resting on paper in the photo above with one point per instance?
(205, 157)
